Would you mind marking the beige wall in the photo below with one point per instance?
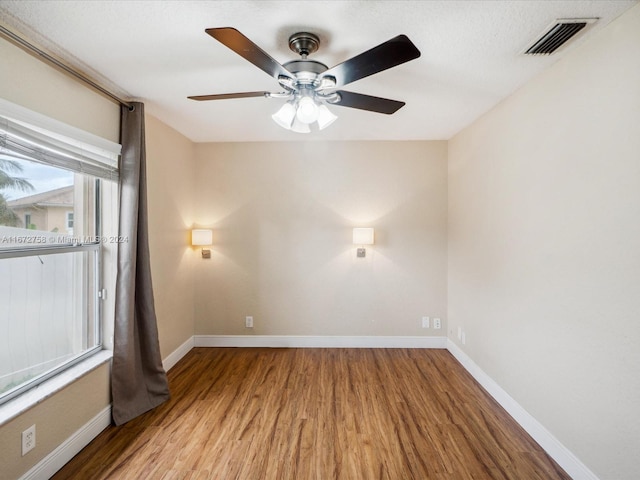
(170, 177)
(544, 237)
(26, 81)
(56, 419)
(282, 216)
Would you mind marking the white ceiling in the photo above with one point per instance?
(158, 52)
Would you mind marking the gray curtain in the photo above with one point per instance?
(138, 381)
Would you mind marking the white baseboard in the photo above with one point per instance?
(556, 450)
(57, 459)
(319, 341)
(175, 356)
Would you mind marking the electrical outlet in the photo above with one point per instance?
(248, 322)
(425, 322)
(463, 337)
(436, 323)
(28, 440)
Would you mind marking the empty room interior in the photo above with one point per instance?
(422, 275)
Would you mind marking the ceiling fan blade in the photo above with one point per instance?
(367, 102)
(248, 50)
(225, 96)
(389, 54)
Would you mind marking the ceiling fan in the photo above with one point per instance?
(308, 85)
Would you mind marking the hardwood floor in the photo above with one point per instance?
(257, 413)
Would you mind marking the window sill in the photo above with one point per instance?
(36, 395)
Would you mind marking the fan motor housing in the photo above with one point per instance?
(297, 66)
(305, 71)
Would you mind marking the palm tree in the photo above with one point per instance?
(7, 216)
(8, 181)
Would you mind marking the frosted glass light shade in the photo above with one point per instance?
(363, 236)
(299, 127)
(201, 237)
(325, 117)
(307, 110)
(284, 117)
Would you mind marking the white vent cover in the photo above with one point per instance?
(557, 34)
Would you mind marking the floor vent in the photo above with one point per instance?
(559, 33)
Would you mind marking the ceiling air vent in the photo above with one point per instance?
(559, 33)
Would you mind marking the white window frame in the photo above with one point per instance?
(69, 220)
(35, 137)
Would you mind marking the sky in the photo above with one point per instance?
(42, 177)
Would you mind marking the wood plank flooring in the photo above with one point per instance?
(257, 413)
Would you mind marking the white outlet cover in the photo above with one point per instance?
(28, 440)
(425, 322)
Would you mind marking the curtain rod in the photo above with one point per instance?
(70, 71)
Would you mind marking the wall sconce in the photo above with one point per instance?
(362, 236)
(201, 237)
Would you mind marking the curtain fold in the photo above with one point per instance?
(138, 381)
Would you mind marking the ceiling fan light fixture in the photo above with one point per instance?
(298, 114)
(325, 117)
(285, 115)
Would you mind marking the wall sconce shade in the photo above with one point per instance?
(201, 237)
(362, 236)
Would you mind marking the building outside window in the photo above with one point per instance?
(44, 210)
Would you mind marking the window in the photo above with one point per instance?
(70, 222)
(50, 267)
